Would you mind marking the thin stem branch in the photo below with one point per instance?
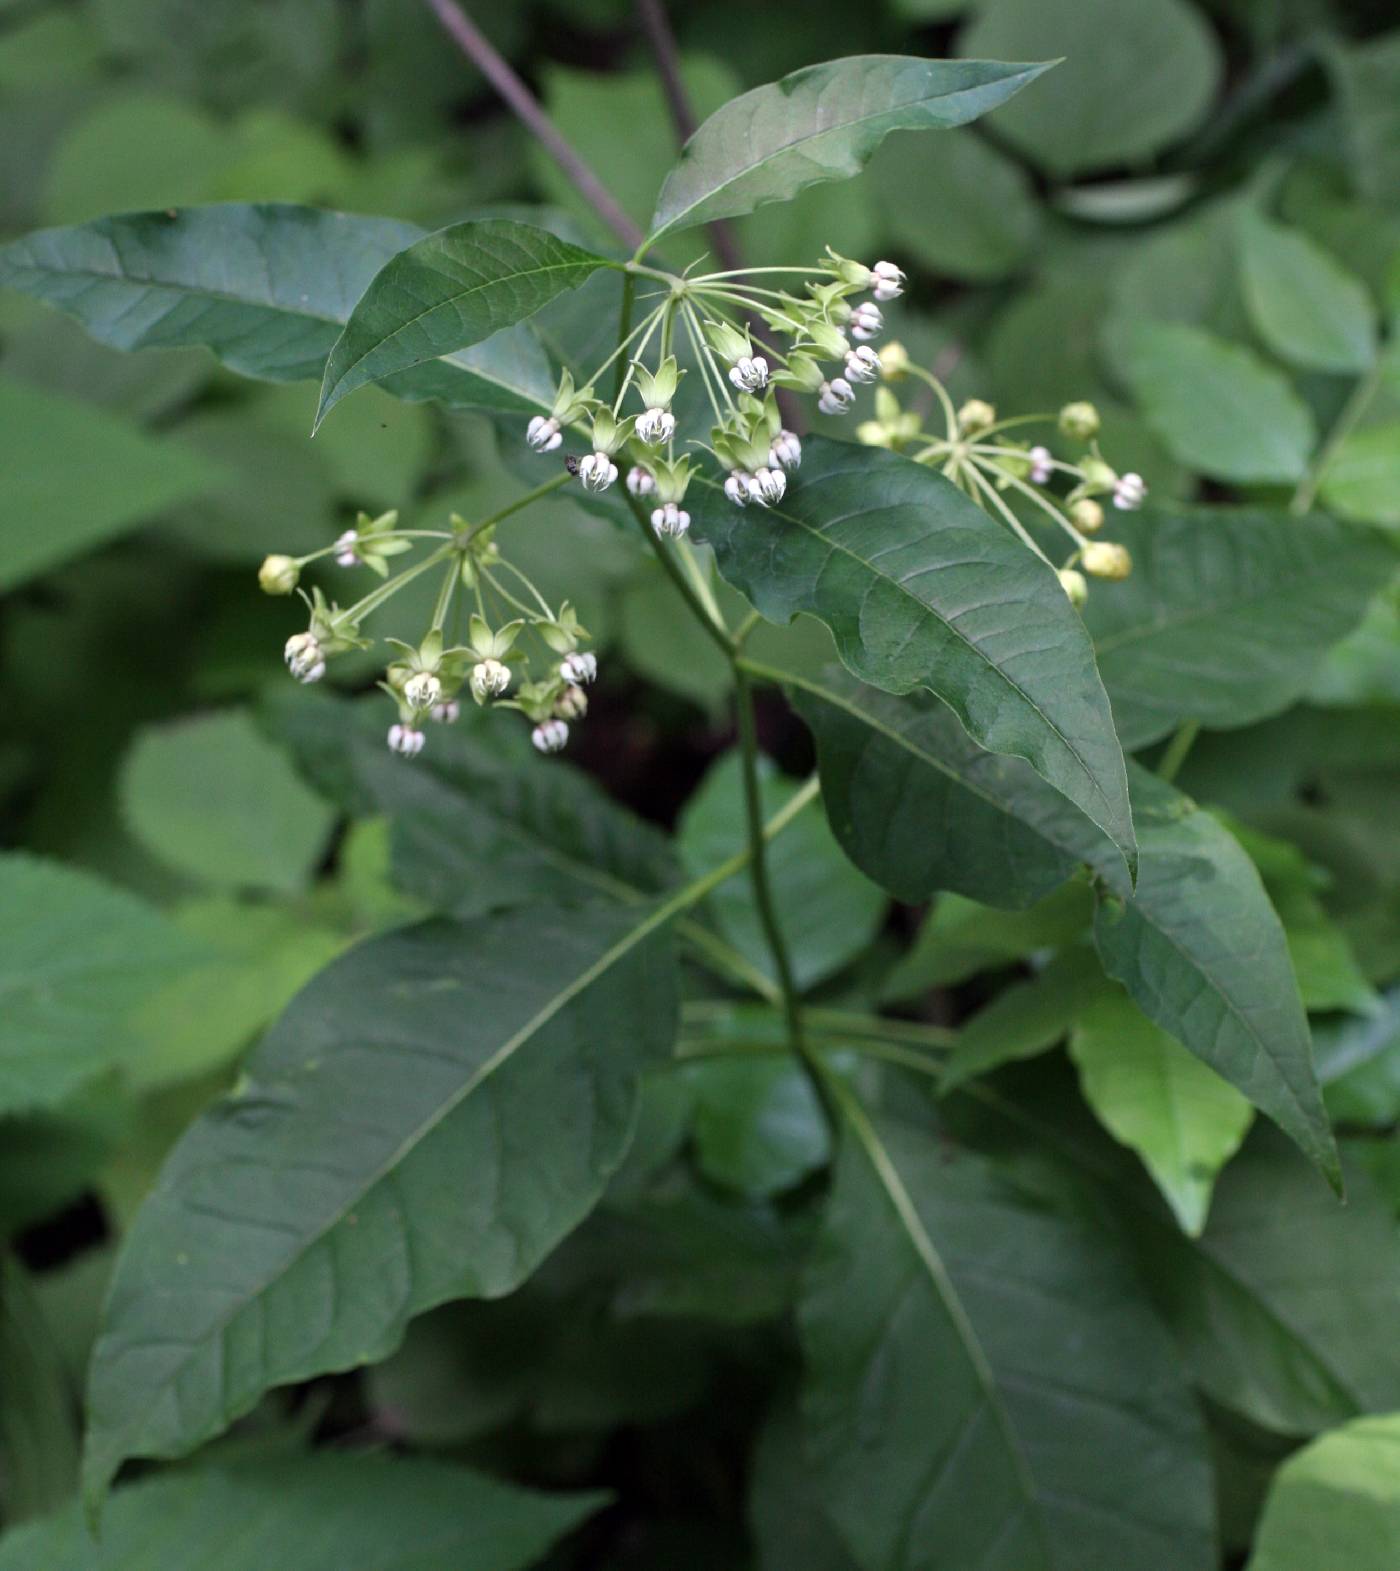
(1352, 411)
(1175, 753)
(678, 578)
(482, 53)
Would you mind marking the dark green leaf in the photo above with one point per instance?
(39, 1426)
(821, 123)
(985, 1387)
(1367, 79)
(426, 1121)
(759, 1128)
(920, 588)
(444, 293)
(309, 1513)
(1227, 613)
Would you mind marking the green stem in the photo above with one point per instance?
(523, 501)
(1174, 754)
(1352, 411)
(444, 599)
(678, 578)
(376, 597)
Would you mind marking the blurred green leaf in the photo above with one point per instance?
(213, 798)
(1367, 80)
(759, 1128)
(39, 1433)
(1362, 477)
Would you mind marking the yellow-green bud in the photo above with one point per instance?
(278, 575)
(1106, 559)
(894, 362)
(1098, 476)
(1075, 585)
(976, 415)
(871, 433)
(1080, 421)
(1087, 516)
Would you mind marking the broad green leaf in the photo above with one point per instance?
(920, 588)
(1367, 80)
(787, 1512)
(309, 1513)
(1181, 1118)
(77, 958)
(821, 123)
(1362, 477)
(1307, 308)
(1227, 614)
(265, 286)
(988, 218)
(829, 911)
(1218, 407)
(1336, 1502)
(215, 800)
(759, 1128)
(1138, 75)
(426, 1121)
(59, 508)
(985, 1386)
(1358, 1062)
(39, 1425)
(444, 293)
(1204, 955)
(919, 807)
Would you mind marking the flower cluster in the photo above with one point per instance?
(517, 653)
(745, 341)
(975, 452)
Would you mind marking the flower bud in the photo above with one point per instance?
(304, 658)
(862, 364)
(1106, 559)
(572, 703)
(837, 396)
(786, 451)
(656, 426)
(1098, 476)
(1080, 421)
(1075, 585)
(669, 519)
(1042, 465)
(550, 735)
(640, 482)
(888, 281)
(749, 373)
(1087, 516)
(867, 321)
(736, 487)
(422, 690)
(580, 666)
(447, 712)
(278, 575)
(543, 434)
(856, 274)
(1130, 492)
(976, 415)
(347, 549)
(597, 471)
(894, 362)
(767, 486)
(406, 739)
(488, 679)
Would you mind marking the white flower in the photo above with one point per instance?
(889, 281)
(304, 658)
(866, 320)
(406, 739)
(597, 471)
(862, 364)
(422, 690)
(550, 735)
(543, 433)
(345, 549)
(447, 712)
(669, 519)
(1130, 492)
(488, 678)
(656, 426)
(786, 451)
(640, 482)
(1042, 465)
(748, 373)
(572, 703)
(581, 666)
(736, 487)
(768, 486)
(837, 395)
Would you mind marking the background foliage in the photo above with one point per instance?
(1057, 1296)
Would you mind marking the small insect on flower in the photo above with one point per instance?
(406, 739)
(749, 373)
(640, 482)
(543, 434)
(669, 519)
(572, 703)
(654, 427)
(550, 735)
(888, 280)
(597, 471)
(768, 486)
(448, 712)
(862, 364)
(489, 679)
(837, 396)
(867, 321)
(1042, 465)
(304, 658)
(422, 690)
(786, 451)
(737, 487)
(1130, 492)
(580, 666)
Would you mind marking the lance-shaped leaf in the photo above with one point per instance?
(987, 1389)
(1204, 955)
(266, 287)
(309, 1513)
(426, 1121)
(920, 588)
(447, 292)
(822, 123)
(1227, 613)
